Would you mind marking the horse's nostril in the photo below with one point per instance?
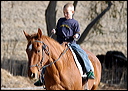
(32, 75)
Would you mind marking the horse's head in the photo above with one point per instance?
(35, 50)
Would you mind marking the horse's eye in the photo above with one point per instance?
(38, 51)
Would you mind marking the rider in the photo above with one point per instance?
(67, 30)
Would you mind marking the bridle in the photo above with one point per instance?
(42, 68)
(46, 49)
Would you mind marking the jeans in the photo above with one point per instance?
(87, 63)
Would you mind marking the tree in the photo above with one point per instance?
(88, 28)
(50, 16)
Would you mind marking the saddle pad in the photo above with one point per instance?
(76, 61)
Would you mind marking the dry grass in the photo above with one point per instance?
(10, 81)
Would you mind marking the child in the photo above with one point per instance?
(67, 30)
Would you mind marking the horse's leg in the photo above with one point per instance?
(85, 85)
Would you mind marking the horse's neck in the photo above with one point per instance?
(56, 62)
(62, 57)
(53, 72)
(57, 59)
(54, 52)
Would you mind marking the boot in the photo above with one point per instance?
(38, 83)
(90, 75)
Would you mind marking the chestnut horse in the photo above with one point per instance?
(61, 71)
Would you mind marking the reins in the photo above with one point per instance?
(57, 59)
(51, 35)
(47, 52)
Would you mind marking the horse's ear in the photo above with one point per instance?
(26, 35)
(39, 33)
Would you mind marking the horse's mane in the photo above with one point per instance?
(53, 43)
(48, 40)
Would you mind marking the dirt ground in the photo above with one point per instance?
(10, 82)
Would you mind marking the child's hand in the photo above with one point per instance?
(53, 31)
(76, 36)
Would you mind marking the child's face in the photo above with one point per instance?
(68, 13)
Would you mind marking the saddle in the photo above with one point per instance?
(78, 60)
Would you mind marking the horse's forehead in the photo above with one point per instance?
(33, 44)
(30, 47)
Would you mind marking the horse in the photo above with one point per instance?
(61, 71)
